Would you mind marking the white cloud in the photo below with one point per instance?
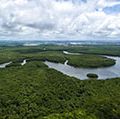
(54, 19)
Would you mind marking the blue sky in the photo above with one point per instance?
(60, 19)
(115, 9)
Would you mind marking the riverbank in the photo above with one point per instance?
(81, 73)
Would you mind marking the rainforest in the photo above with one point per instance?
(36, 91)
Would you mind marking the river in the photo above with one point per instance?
(81, 73)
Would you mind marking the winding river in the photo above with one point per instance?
(80, 73)
(4, 64)
(24, 62)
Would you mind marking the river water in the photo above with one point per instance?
(5, 64)
(81, 73)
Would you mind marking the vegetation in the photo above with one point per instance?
(89, 61)
(90, 75)
(97, 49)
(34, 91)
(77, 114)
(55, 55)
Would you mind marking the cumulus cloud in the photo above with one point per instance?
(59, 19)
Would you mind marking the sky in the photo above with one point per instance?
(60, 19)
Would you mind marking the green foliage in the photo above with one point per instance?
(54, 55)
(89, 61)
(77, 114)
(90, 75)
(97, 49)
(34, 91)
